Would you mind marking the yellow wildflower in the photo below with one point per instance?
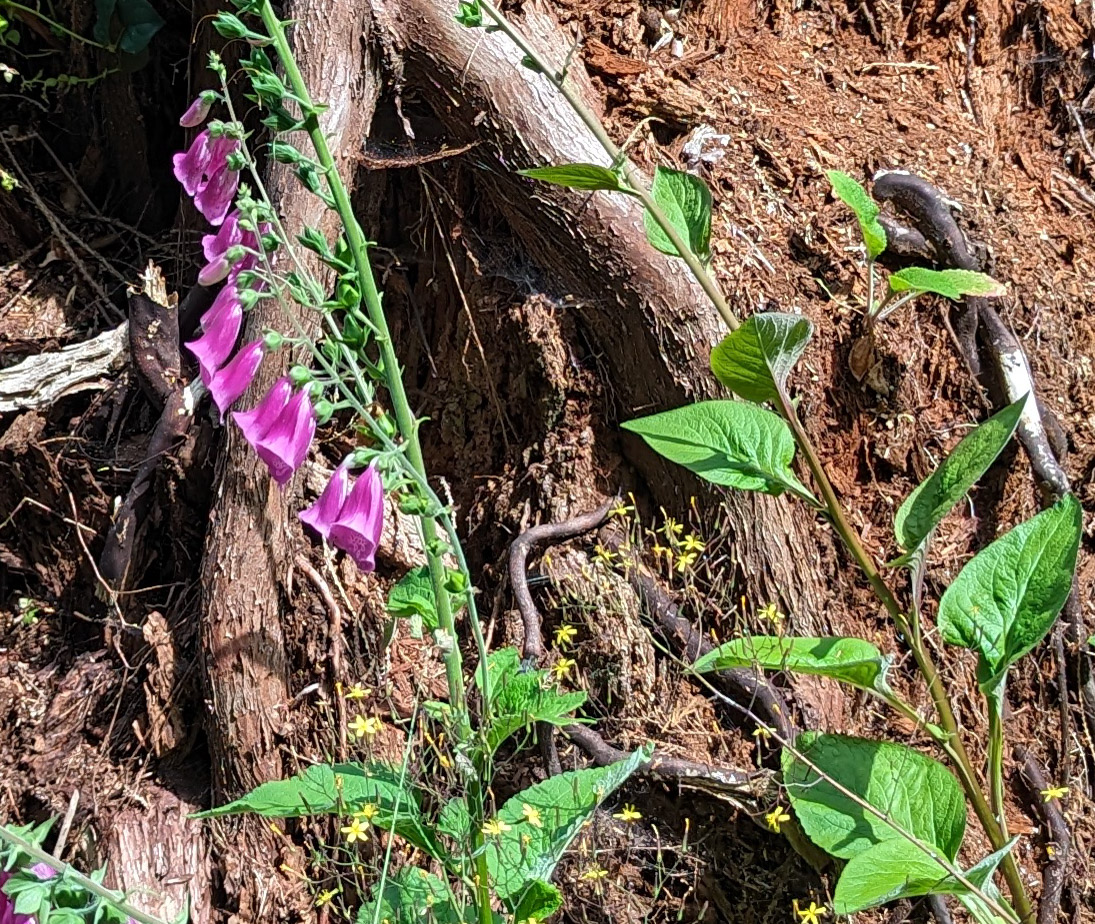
(367, 812)
(621, 509)
(362, 727)
(812, 914)
(594, 873)
(776, 817)
(761, 732)
(564, 635)
(692, 543)
(356, 830)
(603, 554)
(685, 561)
(628, 815)
(769, 613)
(357, 691)
(495, 827)
(1054, 792)
(325, 897)
(671, 528)
(532, 815)
(562, 667)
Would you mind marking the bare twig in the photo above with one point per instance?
(1054, 870)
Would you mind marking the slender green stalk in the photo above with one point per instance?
(73, 875)
(951, 741)
(408, 430)
(631, 175)
(996, 762)
(53, 25)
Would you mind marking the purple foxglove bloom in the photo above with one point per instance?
(7, 907)
(284, 445)
(213, 348)
(198, 111)
(215, 198)
(228, 235)
(255, 422)
(231, 381)
(226, 297)
(322, 515)
(43, 871)
(357, 529)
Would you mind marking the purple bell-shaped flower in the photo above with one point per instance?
(213, 347)
(232, 380)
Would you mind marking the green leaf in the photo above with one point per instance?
(413, 596)
(539, 900)
(412, 896)
(916, 794)
(524, 857)
(850, 660)
(1007, 597)
(853, 195)
(755, 360)
(521, 698)
(934, 497)
(897, 868)
(686, 202)
(726, 442)
(950, 283)
(454, 820)
(139, 21)
(577, 176)
(342, 789)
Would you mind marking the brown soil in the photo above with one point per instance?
(993, 104)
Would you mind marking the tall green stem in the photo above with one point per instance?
(996, 759)
(408, 429)
(74, 876)
(951, 739)
(634, 179)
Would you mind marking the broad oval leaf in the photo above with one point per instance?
(916, 794)
(524, 855)
(726, 442)
(934, 497)
(898, 868)
(755, 360)
(686, 202)
(1007, 597)
(951, 283)
(577, 176)
(850, 660)
(412, 895)
(413, 596)
(853, 195)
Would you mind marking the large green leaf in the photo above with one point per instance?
(577, 176)
(934, 497)
(727, 442)
(897, 868)
(915, 794)
(686, 202)
(521, 698)
(524, 857)
(853, 195)
(1006, 598)
(340, 789)
(412, 896)
(950, 283)
(850, 660)
(539, 901)
(755, 360)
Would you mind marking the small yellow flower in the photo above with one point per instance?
(562, 667)
(357, 691)
(356, 830)
(685, 561)
(594, 873)
(659, 549)
(776, 817)
(621, 509)
(628, 815)
(603, 554)
(692, 543)
(443, 759)
(367, 812)
(564, 635)
(325, 897)
(495, 827)
(362, 727)
(1054, 792)
(671, 528)
(812, 914)
(532, 815)
(770, 614)
(761, 732)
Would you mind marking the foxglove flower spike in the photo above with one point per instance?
(232, 380)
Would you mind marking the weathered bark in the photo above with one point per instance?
(249, 548)
(650, 321)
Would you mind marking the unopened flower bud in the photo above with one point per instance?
(300, 376)
(199, 109)
(324, 411)
(272, 340)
